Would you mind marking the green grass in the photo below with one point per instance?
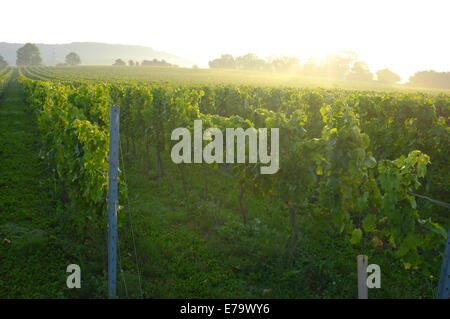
(36, 241)
(192, 247)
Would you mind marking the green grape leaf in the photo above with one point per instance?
(369, 223)
(356, 236)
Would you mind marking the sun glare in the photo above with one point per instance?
(404, 36)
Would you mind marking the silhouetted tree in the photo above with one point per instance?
(3, 62)
(119, 62)
(360, 72)
(156, 62)
(130, 63)
(312, 68)
(284, 64)
(338, 64)
(387, 76)
(430, 79)
(73, 59)
(226, 61)
(28, 55)
(250, 61)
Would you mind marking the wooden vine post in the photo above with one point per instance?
(443, 291)
(362, 263)
(112, 200)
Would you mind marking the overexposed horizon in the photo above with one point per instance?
(404, 36)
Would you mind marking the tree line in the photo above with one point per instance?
(430, 79)
(342, 65)
(29, 55)
(154, 62)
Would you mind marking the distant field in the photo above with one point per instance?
(210, 76)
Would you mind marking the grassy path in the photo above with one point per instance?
(33, 257)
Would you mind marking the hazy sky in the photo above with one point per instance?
(405, 36)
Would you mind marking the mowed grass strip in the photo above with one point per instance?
(33, 257)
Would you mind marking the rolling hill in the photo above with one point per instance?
(93, 53)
